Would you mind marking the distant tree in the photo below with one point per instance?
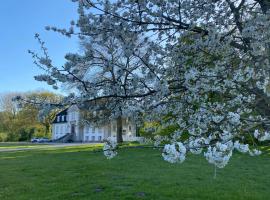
(22, 122)
(30, 110)
(7, 105)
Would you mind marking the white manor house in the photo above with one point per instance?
(67, 127)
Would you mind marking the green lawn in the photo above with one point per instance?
(79, 173)
(12, 145)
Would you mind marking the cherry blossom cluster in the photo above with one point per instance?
(109, 148)
(261, 136)
(174, 153)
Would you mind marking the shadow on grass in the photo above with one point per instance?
(82, 173)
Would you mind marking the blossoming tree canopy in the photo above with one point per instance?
(205, 63)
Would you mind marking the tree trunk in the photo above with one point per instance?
(137, 131)
(47, 127)
(119, 128)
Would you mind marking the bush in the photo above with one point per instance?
(3, 137)
(26, 134)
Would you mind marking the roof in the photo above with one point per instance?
(60, 114)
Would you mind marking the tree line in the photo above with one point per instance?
(22, 122)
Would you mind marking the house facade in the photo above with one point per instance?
(68, 123)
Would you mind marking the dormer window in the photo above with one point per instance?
(63, 118)
(58, 118)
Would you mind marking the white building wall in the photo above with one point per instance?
(59, 130)
(89, 133)
(93, 133)
(129, 130)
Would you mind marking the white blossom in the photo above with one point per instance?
(174, 153)
(261, 136)
(255, 152)
(220, 154)
(217, 118)
(196, 145)
(109, 148)
(234, 118)
(243, 148)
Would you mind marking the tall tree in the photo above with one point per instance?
(206, 63)
(6, 103)
(43, 97)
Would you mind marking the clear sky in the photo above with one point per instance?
(20, 20)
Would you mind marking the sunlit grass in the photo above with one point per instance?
(11, 145)
(51, 146)
(82, 172)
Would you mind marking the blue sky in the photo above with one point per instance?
(20, 20)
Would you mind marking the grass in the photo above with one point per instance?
(12, 145)
(75, 173)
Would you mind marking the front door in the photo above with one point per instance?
(73, 129)
(73, 132)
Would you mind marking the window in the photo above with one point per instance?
(86, 138)
(58, 118)
(124, 131)
(93, 130)
(99, 138)
(129, 128)
(114, 127)
(93, 138)
(63, 117)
